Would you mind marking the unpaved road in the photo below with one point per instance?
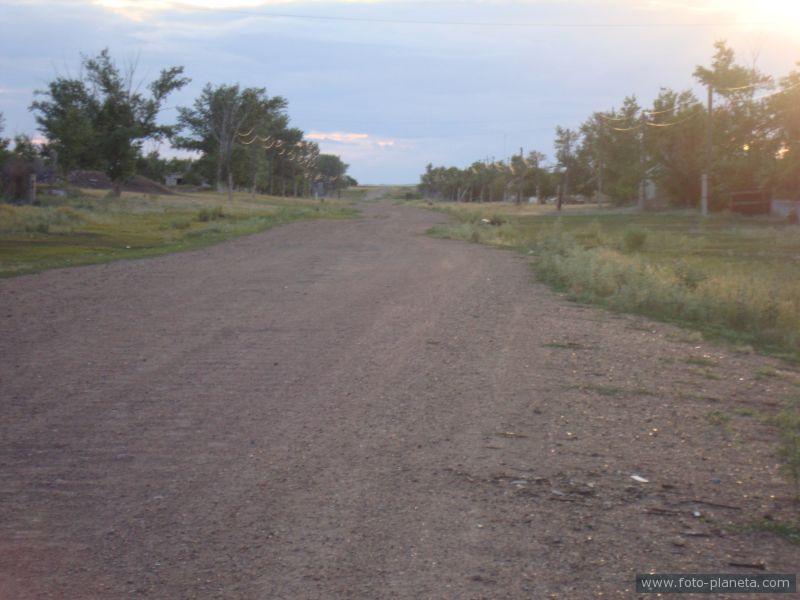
(351, 409)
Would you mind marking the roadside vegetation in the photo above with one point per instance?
(634, 154)
(728, 276)
(88, 193)
(92, 226)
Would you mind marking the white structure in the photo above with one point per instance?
(784, 208)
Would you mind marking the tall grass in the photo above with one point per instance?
(763, 309)
(727, 276)
(32, 219)
(87, 227)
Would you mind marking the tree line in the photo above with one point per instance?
(101, 119)
(748, 140)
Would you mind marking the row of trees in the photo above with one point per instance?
(101, 119)
(749, 140)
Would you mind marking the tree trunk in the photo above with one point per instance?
(230, 186)
(560, 196)
(254, 168)
(219, 174)
(116, 189)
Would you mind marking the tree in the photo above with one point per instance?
(332, 172)
(3, 141)
(739, 152)
(566, 146)
(675, 145)
(784, 122)
(270, 122)
(25, 149)
(68, 120)
(101, 118)
(222, 117)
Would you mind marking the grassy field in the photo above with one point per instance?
(728, 276)
(89, 227)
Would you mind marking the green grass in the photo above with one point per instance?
(728, 276)
(613, 390)
(89, 227)
(565, 345)
(789, 532)
(701, 361)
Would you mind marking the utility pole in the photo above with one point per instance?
(706, 181)
(642, 166)
(599, 175)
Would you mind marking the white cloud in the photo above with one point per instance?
(363, 140)
(337, 136)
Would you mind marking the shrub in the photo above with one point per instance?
(180, 223)
(634, 239)
(210, 214)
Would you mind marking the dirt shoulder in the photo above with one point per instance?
(354, 409)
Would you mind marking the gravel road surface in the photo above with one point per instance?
(352, 409)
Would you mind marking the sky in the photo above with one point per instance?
(393, 85)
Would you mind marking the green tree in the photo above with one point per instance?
(741, 154)
(566, 146)
(784, 122)
(675, 145)
(102, 119)
(4, 143)
(25, 148)
(220, 119)
(332, 172)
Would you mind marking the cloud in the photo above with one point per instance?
(355, 141)
(138, 9)
(369, 154)
(336, 136)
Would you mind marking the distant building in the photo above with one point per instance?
(173, 179)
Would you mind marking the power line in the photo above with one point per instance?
(613, 119)
(692, 116)
(634, 128)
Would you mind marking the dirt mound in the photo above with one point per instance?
(99, 181)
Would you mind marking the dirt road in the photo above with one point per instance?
(351, 409)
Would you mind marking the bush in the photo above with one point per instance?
(180, 223)
(634, 239)
(210, 214)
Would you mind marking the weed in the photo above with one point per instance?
(791, 533)
(180, 224)
(767, 372)
(612, 390)
(566, 345)
(744, 411)
(727, 276)
(634, 239)
(707, 374)
(701, 361)
(210, 214)
(718, 418)
(788, 423)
